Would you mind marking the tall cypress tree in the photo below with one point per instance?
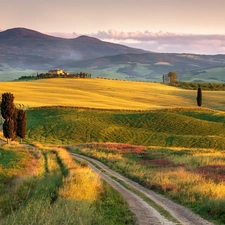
(8, 112)
(199, 96)
(21, 124)
(8, 129)
(14, 118)
(7, 106)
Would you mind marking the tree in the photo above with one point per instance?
(14, 118)
(7, 106)
(8, 113)
(173, 76)
(199, 96)
(8, 129)
(21, 124)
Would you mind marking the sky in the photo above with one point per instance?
(183, 26)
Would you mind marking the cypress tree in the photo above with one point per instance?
(7, 106)
(14, 118)
(21, 124)
(199, 96)
(9, 113)
(8, 129)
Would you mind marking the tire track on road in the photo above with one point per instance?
(145, 214)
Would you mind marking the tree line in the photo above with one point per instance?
(47, 75)
(195, 85)
(75, 75)
(15, 119)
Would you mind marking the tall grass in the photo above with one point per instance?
(61, 192)
(192, 177)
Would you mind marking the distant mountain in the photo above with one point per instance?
(26, 48)
(174, 60)
(153, 65)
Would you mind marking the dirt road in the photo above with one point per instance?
(146, 215)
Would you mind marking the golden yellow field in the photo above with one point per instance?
(107, 94)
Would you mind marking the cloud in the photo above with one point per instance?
(161, 41)
(166, 41)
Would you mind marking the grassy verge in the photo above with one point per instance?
(113, 209)
(191, 177)
(55, 190)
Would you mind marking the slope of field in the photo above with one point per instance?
(71, 126)
(107, 94)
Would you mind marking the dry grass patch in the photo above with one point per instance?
(107, 94)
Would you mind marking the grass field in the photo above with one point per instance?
(45, 186)
(192, 177)
(165, 120)
(8, 74)
(110, 72)
(107, 94)
(63, 126)
(214, 75)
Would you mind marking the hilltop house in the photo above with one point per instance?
(57, 72)
(62, 74)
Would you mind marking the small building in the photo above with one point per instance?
(58, 72)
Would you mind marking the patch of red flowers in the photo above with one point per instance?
(215, 172)
(121, 148)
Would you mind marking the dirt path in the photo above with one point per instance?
(146, 215)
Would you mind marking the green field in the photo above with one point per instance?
(8, 73)
(192, 129)
(214, 75)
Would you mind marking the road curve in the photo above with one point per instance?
(145, 214)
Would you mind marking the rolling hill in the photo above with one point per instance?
(22, 49)
(156, 128)
(25, 48)
(151, 66)
(108, 94)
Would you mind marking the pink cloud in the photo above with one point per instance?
(167, 42)
(161, 41)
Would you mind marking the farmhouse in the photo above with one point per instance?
(62, 74)
(57, 72)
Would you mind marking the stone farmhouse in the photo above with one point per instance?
(57, 72)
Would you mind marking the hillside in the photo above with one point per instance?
(25, 48)
(176, 128)
(151, 66)
(107, 94)
(25, 52)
